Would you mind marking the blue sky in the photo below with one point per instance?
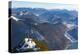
(16, 4)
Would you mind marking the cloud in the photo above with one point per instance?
(16, 4)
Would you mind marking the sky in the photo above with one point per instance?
(19, 4)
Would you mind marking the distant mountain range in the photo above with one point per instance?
(45, 15)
